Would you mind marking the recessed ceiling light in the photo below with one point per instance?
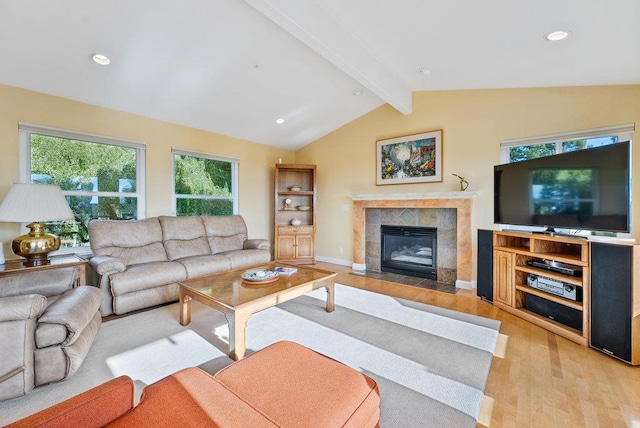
(358, 91)
(101, 59)
(279, 121)
(555, 36)
(425, 71)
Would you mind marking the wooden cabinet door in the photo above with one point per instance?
(304, 246)
(286, 248)
(503, 277)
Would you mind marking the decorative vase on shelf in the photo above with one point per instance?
(296, 222)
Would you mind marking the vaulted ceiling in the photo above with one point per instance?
(235, 66)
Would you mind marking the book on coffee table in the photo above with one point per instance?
(284, 270)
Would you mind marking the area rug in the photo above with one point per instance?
(431, 364)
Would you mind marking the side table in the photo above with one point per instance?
(55, 262)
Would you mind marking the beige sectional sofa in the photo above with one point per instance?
(138, 263)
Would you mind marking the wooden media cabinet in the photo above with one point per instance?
(606, 311)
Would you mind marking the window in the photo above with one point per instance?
(101, 177)
(529, 148)
(204, 184)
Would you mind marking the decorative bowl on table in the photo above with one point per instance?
(303, 207)
(296, 222)
(295, 188)
(259, 276)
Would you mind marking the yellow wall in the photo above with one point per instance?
(473, 123)
(256, 161)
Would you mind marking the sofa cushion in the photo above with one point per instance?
(149, 275)
(132, 241)
(225, 233)
(246, 258)
(191, 397)
(205, 265)
(317, 388)
(45, 283)
(184, 237)
(145, 298)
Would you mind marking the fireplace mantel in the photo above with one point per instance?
(404, 196)
(461, 201)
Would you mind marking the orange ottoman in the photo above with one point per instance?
(315, 391)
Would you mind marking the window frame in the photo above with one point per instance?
(235, 167)
(25, 130)
(622, 132)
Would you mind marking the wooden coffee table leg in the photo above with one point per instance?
(330, 297)
(237, 334)
(185, 308)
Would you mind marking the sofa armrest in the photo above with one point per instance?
(96, 407)
(256, 244)
(103, 265)
(74, 309)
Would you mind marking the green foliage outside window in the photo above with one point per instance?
(90, 167)
(209, 180)
(520, 153)
(533, 151)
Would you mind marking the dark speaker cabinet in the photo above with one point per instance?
(614, 328)
(485, 264)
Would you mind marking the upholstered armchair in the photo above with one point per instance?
(47, 326)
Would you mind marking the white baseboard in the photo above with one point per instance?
(334, 261)
(467, 285)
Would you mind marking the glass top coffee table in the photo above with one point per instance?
(237, 299)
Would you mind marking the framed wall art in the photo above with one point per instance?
(411, 159)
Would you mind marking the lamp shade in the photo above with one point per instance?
(26, 203)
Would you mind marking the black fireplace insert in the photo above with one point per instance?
(409, 250)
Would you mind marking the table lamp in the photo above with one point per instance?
(34, 204)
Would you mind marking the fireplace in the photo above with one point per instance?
(460, 256)
(409, 250)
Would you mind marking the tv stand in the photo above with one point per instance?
(605, 317)
(512, 251)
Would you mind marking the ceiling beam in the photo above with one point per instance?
(309, 22)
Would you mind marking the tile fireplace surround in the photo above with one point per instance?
(460, 201)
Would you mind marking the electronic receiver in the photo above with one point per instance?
(559, 288)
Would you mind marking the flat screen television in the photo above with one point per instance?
(586, 189)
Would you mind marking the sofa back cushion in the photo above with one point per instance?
(132, 241)
(184, 237)
(225, 233)
(46, 283)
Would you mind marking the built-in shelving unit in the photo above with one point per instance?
(295, 208)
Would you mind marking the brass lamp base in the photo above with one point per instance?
(36, 245)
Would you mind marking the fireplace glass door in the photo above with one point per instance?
(409, 250)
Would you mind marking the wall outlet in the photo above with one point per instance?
(340, 250)
(345, 207)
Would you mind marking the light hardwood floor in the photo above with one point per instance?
(544, 380)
